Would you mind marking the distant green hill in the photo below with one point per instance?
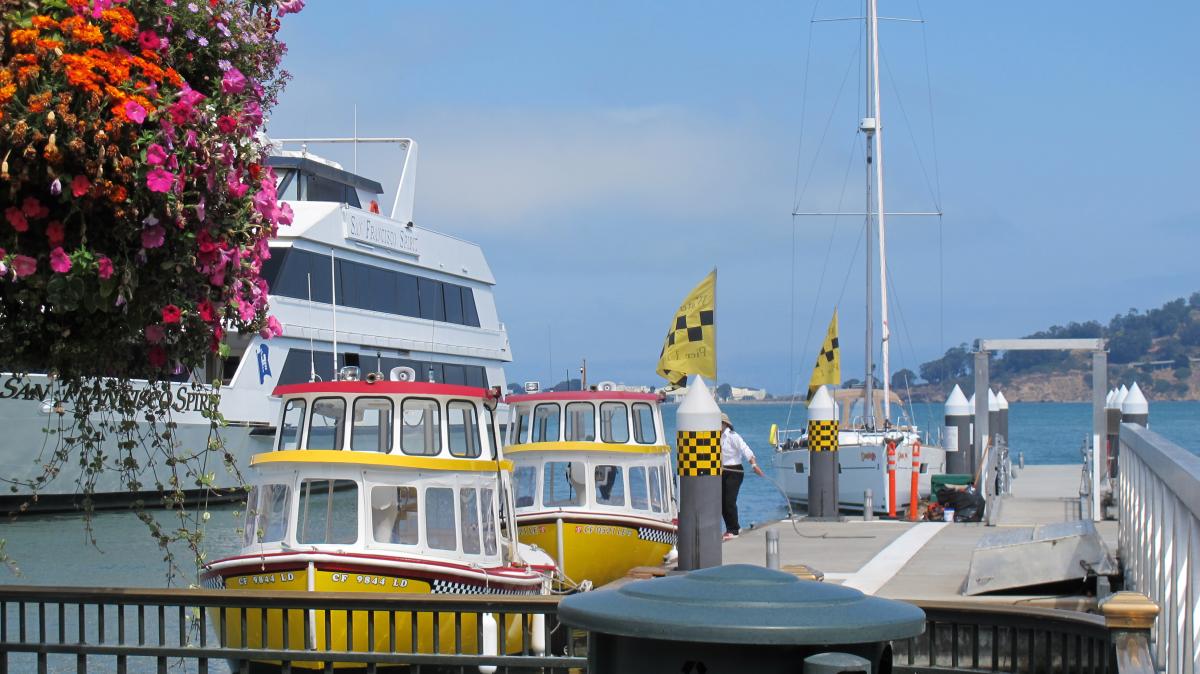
(1159, 348)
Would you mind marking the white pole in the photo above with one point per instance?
(883, 297)
(333, 303)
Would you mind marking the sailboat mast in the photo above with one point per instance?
(884, 331)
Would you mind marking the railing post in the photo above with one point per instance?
(1129, 617)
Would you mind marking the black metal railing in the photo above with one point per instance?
(142, 630)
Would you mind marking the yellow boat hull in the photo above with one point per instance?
(385, 631)
(599, 551)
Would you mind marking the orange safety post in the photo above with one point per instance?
(914, 496)
(891, 471)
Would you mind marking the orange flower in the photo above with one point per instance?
(38, 102)
(23, 37)
(82, 30)
(26, 73)
(6, 92)
(48, 45)
(122, 22)
(43, 22)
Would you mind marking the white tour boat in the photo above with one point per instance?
(377, 290)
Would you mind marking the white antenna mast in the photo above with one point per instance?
(312, 351)
(333, 304)
(356, 137)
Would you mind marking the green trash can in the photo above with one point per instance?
(936, 482)
(738, 618)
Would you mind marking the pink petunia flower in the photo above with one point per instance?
(24, 265)
(148, 39)
(159, 180)
(233, 82)
(80, 186)
(285, 214)
(290, 7)
(155, 333)
(206, 310)
(155, 154)
(104, 267)
(16, 218)
(135, 112)
(59, 261)
(153, 237)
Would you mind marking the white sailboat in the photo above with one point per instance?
(867, 425)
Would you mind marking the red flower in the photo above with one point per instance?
(16, 218)
(157, 356)
(226, 124)
(148, 39)
(104, 267)
(207, 311)
(80, 186)
(32, 208)
(171, 314)
(55, 232)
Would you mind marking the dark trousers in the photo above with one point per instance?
(731, 483)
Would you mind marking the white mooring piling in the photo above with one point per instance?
(956, 439)
(698, 441)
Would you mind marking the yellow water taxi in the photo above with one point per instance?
(380, 486)
(593, 481)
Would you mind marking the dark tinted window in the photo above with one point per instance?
(431, 300)
(470, 315)
(455, 374)
(320, 189)
(476, 376)
(454, 307)
(297, 366)
(407, 297)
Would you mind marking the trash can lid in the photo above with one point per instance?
(742, 604)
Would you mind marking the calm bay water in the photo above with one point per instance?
(54, 550)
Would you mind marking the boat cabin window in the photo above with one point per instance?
(328, 512)
(267, 513)
(394, 515)
(421, 427)
(610, 486)
(462, 428)
(327, 426)
(525, 485)
(643, 424)
(656, 488)
(292, 424)
(487, 510)
(440, 530)
(637, 488)
(614, 423)
(563, 483)
(545, 423)
(521, 427)
(581, 422)
(372, 430)
(468, 514)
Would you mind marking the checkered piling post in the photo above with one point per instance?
(822, 456)
(699, 466)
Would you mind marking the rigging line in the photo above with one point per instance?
(937, 175)
(911, 356)
(911, 134)
(803, 107)
(825, 133)
(798, 380)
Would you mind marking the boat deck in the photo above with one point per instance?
(926, 560)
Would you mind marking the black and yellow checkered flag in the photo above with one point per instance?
(691, 344)
(828, 369)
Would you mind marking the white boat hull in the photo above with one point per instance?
(862, 467)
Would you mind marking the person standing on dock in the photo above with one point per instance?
(734, 453)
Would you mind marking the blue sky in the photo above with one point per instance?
(608, 154)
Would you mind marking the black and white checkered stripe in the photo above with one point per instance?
(442, 586)
(656, 535)
(213, 582)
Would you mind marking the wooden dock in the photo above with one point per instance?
(925, 561)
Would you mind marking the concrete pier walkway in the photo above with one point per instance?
(925, 560)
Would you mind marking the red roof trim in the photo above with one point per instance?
(580, 395)
(381, 387)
